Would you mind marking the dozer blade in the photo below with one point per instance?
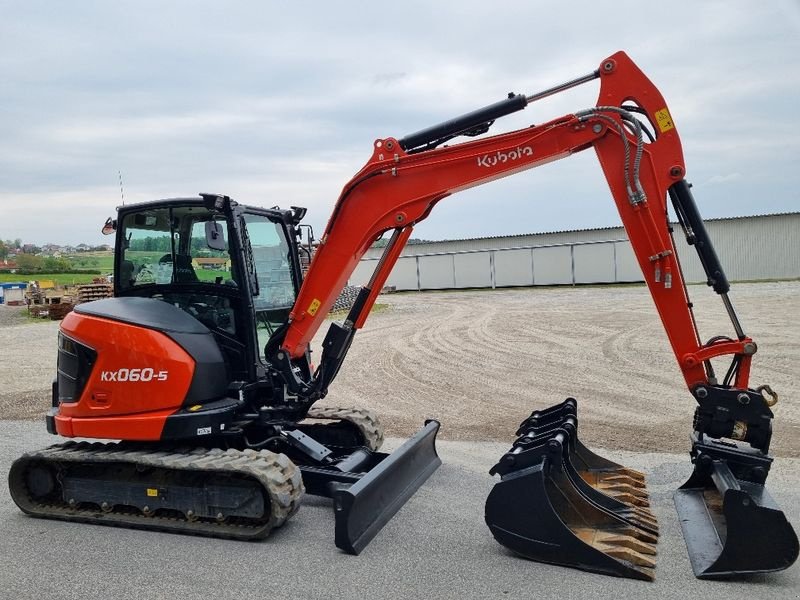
(731, 525)
(613, 486)
(543, 510)
(363, 508)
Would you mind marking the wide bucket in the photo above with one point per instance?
(730, 522)
(545, 510)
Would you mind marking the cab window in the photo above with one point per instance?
(273, 268)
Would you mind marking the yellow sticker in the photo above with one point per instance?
(314, 307)
(195, 408)
(152, 492)
(664, 120)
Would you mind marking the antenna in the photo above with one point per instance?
(121, 189)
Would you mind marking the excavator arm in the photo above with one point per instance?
(598, 519)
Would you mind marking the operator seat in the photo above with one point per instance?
(184, 272)
(126, 276)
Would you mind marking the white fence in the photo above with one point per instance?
(610, 261)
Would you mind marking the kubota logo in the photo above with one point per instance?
(146, 374)
(491, 160)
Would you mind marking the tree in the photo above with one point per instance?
(29, 262)
(3, 250)
(55, 265)
(18, 243)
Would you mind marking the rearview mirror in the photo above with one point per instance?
(110, 226)
(214, 236)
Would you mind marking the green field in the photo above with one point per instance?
(97, 261)
(59, 278)
(102, 263)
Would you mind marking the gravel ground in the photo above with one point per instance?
(437, 546)
(12, 315)
(480, 361)
(27, 363)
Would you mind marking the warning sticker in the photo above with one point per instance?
(314, 307)
(664, 120)
(152, 492)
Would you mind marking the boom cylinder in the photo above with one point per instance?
(464, 124)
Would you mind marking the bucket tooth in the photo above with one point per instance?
(543, 510)
(730, 523)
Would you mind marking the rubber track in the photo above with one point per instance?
(280, 478)
(365, 420)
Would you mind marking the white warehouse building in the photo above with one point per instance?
(750, 248)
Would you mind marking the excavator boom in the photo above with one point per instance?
(401, 183)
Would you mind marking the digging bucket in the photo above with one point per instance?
(730, 523)
(622, 489)
(543, 510)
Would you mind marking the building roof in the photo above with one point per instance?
(521, 235)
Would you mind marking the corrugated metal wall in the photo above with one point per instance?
(750, 248)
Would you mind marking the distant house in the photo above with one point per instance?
(8, 264)
(212, 263)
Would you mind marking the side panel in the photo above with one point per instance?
(139, 378)
(436, 272)
(473, 270)
(404, 274)
(513, 267)
(552, 266)
(627, 268)
(594, 263)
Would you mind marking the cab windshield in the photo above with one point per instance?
(166, 255)
(167, 245)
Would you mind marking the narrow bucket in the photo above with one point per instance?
(731, 524)
(543, 510)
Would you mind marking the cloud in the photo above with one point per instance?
(724, 178)
(279, 103)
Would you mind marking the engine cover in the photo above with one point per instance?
(126, 364)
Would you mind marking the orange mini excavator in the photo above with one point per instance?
(201, 366)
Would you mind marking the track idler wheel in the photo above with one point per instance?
(548, 509)
(363, 423)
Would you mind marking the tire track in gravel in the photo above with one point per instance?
(480, 361)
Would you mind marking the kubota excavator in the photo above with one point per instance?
(201, 364)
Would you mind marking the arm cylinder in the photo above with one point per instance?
(697, 236)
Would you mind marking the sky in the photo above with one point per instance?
(278, 103)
